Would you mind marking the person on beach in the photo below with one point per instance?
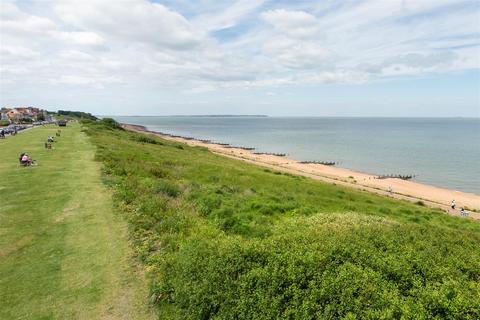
(390, 190)
(462, 211)
(453, 204)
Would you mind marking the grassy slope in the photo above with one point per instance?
(224, 239)
(63, 252)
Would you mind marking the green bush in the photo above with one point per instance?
(167, 188)
(147, 139)
(111, 123)
(77, 114)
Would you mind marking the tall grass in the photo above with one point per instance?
(224, 239)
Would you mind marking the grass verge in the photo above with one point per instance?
(64, 254)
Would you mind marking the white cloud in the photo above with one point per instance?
(16, 52)
(138, 43)
(295, 54)
(226, 16)
(293, 23)
(16, 25)
(131, 20)
(79, 38)
(16, 22)
(82, 80)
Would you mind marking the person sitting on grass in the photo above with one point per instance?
(25, 160)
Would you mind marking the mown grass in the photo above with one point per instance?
(64, 254)
(223, 239)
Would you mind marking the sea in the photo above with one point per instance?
(443, 152)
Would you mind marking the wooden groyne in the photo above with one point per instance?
(271, 154)
(325, 163)
(237, 147)
(396, 176)
(223, 144)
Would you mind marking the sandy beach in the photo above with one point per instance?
(397, 188)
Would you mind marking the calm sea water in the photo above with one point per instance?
(441, 152)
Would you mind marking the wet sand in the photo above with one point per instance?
(400, 189)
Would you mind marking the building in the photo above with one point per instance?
(3, 114)
(22, 114)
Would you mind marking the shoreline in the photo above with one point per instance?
(432, 196)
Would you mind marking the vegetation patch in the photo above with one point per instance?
(77, 114)
(224, 239)
(147, 139)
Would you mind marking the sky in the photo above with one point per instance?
(397, 58)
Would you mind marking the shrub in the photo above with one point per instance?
(77, 114)
(111, 123)
(280, 277)
(167, 188)
(147, 139)
(205, 204)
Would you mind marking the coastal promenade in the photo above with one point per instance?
(400, 189)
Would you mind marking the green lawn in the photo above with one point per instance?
(64, 254)
(223, 239)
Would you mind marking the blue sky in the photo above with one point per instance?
(300, 58)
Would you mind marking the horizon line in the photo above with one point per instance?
(288, 116)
